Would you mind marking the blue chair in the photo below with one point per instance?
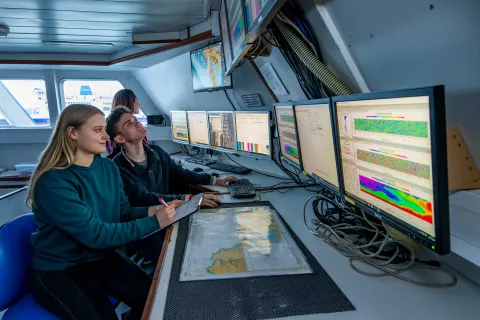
(15, 258)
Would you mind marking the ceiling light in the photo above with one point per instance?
(79, 43)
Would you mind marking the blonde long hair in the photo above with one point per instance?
(60, 151)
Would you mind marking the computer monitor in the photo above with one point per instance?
(208, 69)
(198, 128)
(316, 140)
(253, 134)
(179, 126)
(221, 128)
(287, 134)
(393, 156)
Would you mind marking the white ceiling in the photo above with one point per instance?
(100, 21)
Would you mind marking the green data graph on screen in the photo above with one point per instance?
(406, 166)
(287, 118)
(417, 129)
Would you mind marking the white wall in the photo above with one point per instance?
(406, 44)
(169, 84)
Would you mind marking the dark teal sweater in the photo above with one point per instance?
(81, 213)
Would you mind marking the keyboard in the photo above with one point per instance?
(229, 168)
(242, 188)
(203, 162)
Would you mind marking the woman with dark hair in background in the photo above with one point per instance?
(125, 98)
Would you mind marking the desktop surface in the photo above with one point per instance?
(374, 298)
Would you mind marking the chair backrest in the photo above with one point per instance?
(15, 258)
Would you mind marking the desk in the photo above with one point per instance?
(374, 298)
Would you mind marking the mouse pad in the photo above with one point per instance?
(263, 297)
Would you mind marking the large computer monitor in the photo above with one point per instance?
(316, 140)
(198, 128)
(287, 134)
(179, 126)
(253, 134)
(393, 155)
(208, 69)
(221, 128)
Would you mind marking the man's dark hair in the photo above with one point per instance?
(114, 118)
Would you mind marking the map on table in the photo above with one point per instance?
(240, 242)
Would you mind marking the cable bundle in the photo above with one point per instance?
(363, 240)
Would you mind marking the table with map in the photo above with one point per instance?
(239, 242)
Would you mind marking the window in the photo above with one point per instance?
(98, 93)
(23, 103)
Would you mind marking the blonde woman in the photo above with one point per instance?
(82, 214)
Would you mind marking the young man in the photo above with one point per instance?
(148, 171)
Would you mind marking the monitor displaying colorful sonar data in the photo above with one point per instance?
(386, 157)
(316, 142)
(253, 133)
(287, 133)
(179, 126)
(222, 131)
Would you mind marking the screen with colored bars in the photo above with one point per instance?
(253, 9)
(179, 126)
(198, 128)
(222, 134)
(316, 142)
(236, 25)
(253, 133)
(287, 133)
(386, 157)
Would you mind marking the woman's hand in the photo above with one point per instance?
(166, 215)
(210, 200)
(223, 182)
(175, 203)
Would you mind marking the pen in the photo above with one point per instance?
(162, 202)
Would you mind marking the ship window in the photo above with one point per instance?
(23, 103)
(98, 93)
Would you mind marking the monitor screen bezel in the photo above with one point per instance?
(171, 121)
(250, 154)
(234, 133)
(319, 180)
(200, 145)
(282, 157)
(226, 75)
(436, 98)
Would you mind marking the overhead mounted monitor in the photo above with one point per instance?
(198, 128)
(208, 69)
(287, 134)
(245, 20)
(393, 155)
(253, 134)
(179, 126)
(317, 144)
(221, 128)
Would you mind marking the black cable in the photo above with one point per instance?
(226, 94)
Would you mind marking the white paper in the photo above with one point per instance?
(273, 80)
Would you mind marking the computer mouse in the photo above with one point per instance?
(198, 169)
(216, 175)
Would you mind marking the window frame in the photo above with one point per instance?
(29, 76)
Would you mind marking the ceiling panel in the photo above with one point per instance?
(41, 48)
(192, 8)
(31, 22)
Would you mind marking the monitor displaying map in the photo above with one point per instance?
(208, 69)
(241, 242)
